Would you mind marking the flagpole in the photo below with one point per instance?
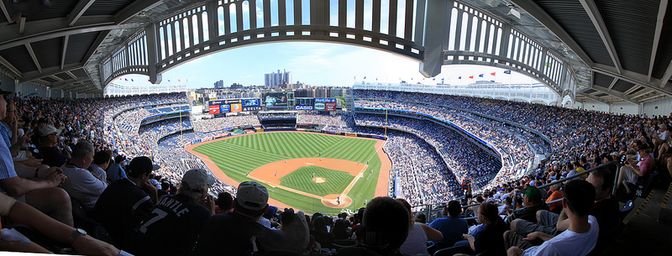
(386, 123)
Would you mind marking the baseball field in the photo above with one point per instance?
(312, 172)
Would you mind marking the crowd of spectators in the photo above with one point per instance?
(516, 146)
(221, 123)
(326, 121)
(420, 175)
(464, 159)
(63, 170)
(574, 134)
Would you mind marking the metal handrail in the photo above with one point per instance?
(577, 175)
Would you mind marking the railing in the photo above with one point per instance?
(615, 164)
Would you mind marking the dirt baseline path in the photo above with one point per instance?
(382, 186)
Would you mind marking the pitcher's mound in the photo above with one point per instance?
(319, 180)
(336, 201)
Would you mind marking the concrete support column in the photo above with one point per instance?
(152, 53)
(213, 22)
(14, 86)
(436, 36)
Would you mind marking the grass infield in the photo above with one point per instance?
(238, 156)
(302, 179)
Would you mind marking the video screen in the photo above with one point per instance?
(251, 102)
(275, 99)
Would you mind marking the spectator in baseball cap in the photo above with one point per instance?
(49, 149)
(174, 228)
(126, 202)
(532, 202)
(43, 194)
(240, 233)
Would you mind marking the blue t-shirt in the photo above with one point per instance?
(6, 162)
(6, 133)
(115, 173)
(452, 229)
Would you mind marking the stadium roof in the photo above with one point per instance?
(622, 47)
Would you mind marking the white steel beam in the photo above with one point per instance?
(662, 8)
(34, 57)
(544, 18)
(631, 77)
(614, 93)
(78, 11)
(593, 97)
(9, 66)
(613, 82)
(64, 50)
(595, 16)
(667, 75)
(5, 12)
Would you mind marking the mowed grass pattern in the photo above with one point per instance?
(240, 155)
(302, 179)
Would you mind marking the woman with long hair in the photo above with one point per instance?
(489, 240)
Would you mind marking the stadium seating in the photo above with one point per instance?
(426, 142)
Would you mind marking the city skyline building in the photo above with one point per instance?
(277, 79)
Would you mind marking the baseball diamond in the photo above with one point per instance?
(310, 171)
(317, 180)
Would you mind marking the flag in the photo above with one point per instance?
(493, 73)
(471, 77)
(508, 71)
(480, 75)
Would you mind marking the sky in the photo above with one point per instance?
(316, 63)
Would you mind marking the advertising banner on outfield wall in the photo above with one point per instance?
(236, 107)
(213, 109)
(251, 104)
(303, 107)
(319, 106)
(224, 109)
(330, 106)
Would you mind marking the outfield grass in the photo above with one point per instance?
(240, 155)
(302, 179)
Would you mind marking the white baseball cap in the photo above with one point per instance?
(49, 129)
(252, 195)
(198, 178)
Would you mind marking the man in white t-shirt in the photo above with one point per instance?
(581, 235)
(81, 184)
